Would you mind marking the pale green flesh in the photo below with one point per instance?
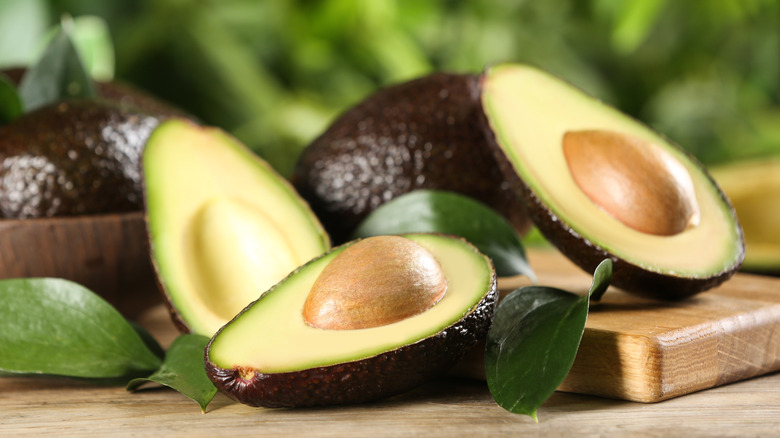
(754, 190)
(530, 111)
(271, 336)
(224, 226)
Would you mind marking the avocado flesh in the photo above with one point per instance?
(223, 225)
(754, 189)
(270, 344)
(529, 111)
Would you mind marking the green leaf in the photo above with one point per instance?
(451, 213)
(601, 278)
(57, 327)
(533, 341)
(149, 340)
(10, 103)
(92, 40)
(184, 370)
(634, 22)
(22, 23)
(58, 75)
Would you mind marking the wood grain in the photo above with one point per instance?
(644, 350)
(448, 407)
(106, 253)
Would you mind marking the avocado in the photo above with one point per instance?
(271, 355)
(73, 158)
(70, 187)
(223, 225)
(80, 156)
(599, 184)
(753, 186)
(422, 134)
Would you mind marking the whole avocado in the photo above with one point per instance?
(421, 134)
(73, 158)
(77, 157)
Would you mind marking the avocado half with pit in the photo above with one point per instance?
(222, 224)
(369, 319)
(599, 184)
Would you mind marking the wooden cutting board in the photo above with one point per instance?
(647, 351)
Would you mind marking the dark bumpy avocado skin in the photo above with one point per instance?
(78, 157)
(587, 255)
(73, 158)
(419, 134)
(362, 380)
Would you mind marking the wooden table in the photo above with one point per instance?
(448, 407)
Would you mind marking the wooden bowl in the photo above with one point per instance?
(109, 254)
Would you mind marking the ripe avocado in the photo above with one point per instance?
(77, 157)
(269, 356)
(419, 134)
(222, 224)
(73, 158)
(585, 170)
(754, 189)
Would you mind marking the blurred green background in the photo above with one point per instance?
(706, 73)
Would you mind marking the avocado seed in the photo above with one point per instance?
(376, 281)
(635, 181)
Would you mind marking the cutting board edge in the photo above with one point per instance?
(651, 370)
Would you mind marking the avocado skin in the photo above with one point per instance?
(363, 380)
(587, 255)
(78, 157)
(73, 158)
(414, 135)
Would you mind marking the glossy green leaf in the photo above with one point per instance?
(149, 340)
(92, 40)
(57, 327)
(533, 341)
(10, 103)
(451, 213)
(59, 74)
(601, 279)
(184, 370)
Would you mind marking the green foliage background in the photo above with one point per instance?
(275, 72)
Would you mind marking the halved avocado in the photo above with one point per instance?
(599, 184)
(222, 224)
(754, 189)
(421, 134)
(270, 356)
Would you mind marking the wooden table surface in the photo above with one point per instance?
(448, 407)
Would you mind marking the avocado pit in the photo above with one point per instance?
(635, 181)
(374, 282)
